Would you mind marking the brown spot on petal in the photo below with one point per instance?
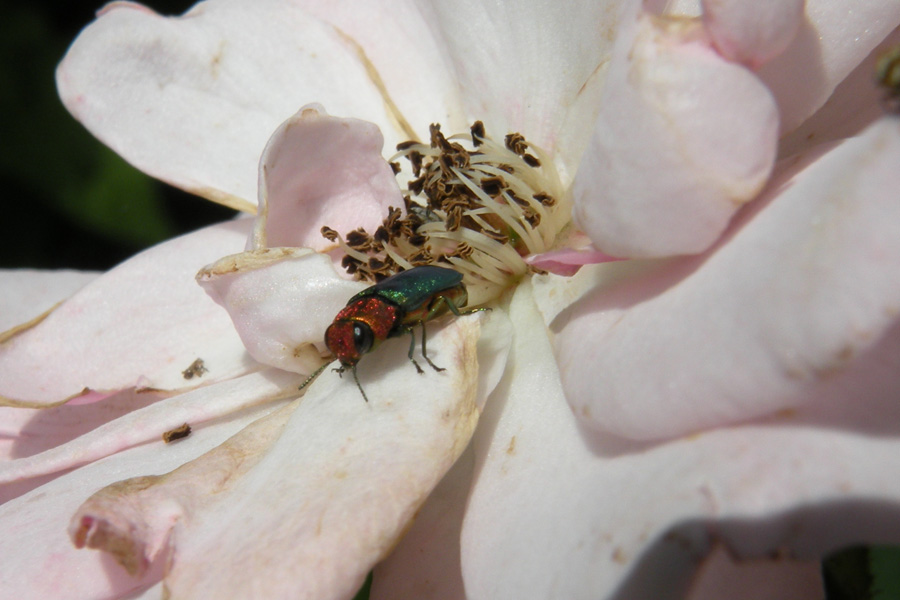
(180, 432)
(197, 369)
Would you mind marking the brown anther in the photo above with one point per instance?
(422, 257)
(415, 186)
(463, 250)
(381, 235)
(492, 185)
(329, 234)
(533, 218)
(531, 161)
(496, 235)
(545, 199)
(516, 142)
(358, 239)
(415, 159)
(454, 218)
(395, 167)
(417, 239)
(477, 131)
(437, 138)
(406, 145)
(517, 199)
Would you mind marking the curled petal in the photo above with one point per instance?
(196, 408)
(326, 485)
(318, 170)
(193, 99)
(143, 324)
(802, 293)
(281, 300)
(752, 33)
(683, 139)
(39, 558)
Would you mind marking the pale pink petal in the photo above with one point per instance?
(794, 299)
(281, 301)
(329, 495)
(319, 170)
(143, 325)
(192, 100)
(832, 40)
(558, 511)
(26, 294)
(683, 139)
(426, 563)
(196, 408)
(534, 67)
(752, 33)
(407, 62)
(855, 104)
(39, 560)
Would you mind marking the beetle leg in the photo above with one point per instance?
(412, 346)
(425, 351)
(453, 308)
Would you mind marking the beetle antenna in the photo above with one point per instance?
(356, 379)
(315, 374)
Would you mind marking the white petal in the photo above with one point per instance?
(777, 578)
(317, 171)
(196, 408)
(683, 139)
(795, 298)
(855, 104)
(39, 558)
(329, 495)
(26, 294)
(752, 33)
(192, 100)
(561, 512)
(426, 562)
(281, 301)
(140, 325)
(533, 67)
(833, 39)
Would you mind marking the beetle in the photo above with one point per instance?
(393, 307)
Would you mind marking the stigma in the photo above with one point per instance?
(472, 204)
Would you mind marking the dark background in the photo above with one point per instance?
(66, 201)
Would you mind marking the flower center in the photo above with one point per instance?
(478, 209)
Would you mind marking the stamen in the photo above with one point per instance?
(480, 210)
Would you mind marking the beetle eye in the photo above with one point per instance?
(362, 337)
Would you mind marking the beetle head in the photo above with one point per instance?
(348, 340)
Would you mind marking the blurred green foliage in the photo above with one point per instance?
(68, 201)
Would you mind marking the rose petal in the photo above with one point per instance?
(801, 291)
(855, 104)
(426, 561)
(26, 294)
(833, 39)
(192, 100)
(752, 33)
(281, 301)
(683, 139)
(141, 325)
(518, 65)
(39, 558)
(561, 512)
(196, 408)
(319, 170)
(329, 496)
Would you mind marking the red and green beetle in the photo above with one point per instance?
(390, 308)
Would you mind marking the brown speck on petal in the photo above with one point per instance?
(180, 432)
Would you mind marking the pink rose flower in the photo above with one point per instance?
(712, 411)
